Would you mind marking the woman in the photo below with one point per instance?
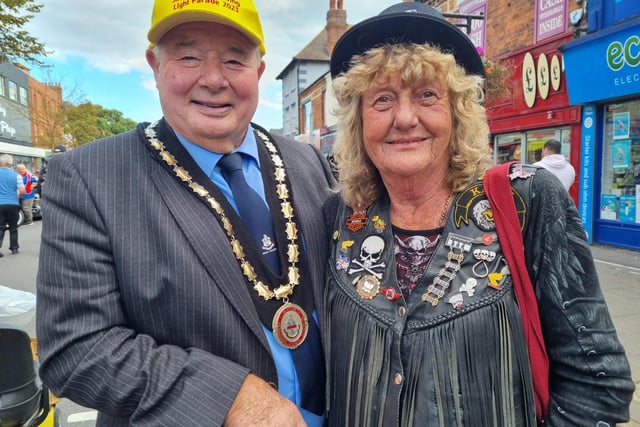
(423, 323)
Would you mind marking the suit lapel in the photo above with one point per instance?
(210, 245)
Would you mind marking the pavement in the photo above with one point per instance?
(619, 273)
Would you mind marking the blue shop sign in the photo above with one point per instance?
(603, 65)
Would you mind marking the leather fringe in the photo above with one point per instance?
(472, 370)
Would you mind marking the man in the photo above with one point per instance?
(26, 201)
(156, 306)
(11, 188)
(556, 163)
(43, 170)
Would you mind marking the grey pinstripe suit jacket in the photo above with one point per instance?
(142, 310)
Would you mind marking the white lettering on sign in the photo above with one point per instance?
(546, 4)
(6, 128)
(628, 79)
(550, 25)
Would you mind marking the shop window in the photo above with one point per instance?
(536, 140)
(621, 163)
(527, 147)
(508, 148)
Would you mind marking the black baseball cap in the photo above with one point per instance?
(407, 22)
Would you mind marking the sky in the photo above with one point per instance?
(98, 50)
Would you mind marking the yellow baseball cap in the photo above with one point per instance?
(239, 14)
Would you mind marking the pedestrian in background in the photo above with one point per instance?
(42, 176)
(557, 163)
(30, 182)
(180, 276)
(442, 308)
(11, 188)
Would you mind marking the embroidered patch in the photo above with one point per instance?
(473, 204)
(465, 203)
(357, 221)
(483, 216)
(370, 257)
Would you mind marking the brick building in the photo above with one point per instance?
(530, 41)
(45, 99)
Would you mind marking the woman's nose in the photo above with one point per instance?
(405, 114)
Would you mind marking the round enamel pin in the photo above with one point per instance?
(368, 286)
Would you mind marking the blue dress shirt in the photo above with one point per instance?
(288, 384)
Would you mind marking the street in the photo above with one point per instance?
(619, 272)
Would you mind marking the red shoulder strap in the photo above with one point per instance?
(498, 190)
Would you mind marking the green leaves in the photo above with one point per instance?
(15, 43)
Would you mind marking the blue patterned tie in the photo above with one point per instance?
(252, 209)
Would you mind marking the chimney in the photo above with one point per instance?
(336, 23)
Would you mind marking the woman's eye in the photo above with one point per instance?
(427, 94)
(382, 103)
(429, 97)
(383, 100)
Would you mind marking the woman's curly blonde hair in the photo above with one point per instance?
(360, 182)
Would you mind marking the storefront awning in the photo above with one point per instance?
(603, 65)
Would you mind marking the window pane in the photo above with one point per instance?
(621, 163)
(509, 147)
(13, 91)
(24, 100)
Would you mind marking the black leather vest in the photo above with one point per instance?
(452, 353)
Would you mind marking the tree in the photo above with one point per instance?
(15, 43)
(86, 122)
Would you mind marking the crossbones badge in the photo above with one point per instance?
(369, 260)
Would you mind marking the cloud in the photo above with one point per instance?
(110, 36)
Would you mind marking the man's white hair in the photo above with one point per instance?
(6, 160)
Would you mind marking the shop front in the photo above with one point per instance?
(603, 75)
(536, 110)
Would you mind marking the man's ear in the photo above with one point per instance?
(152, 60)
